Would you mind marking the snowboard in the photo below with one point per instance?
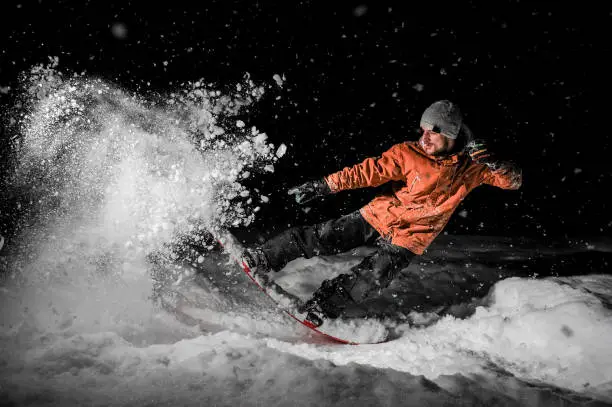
(345, 331)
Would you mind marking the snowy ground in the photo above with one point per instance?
(536, 342)
(103, 179)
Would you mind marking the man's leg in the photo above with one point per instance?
(331, 237)
(350, 292)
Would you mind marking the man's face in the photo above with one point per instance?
(435, 143)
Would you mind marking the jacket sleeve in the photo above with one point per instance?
(371, 172)
(505, 175)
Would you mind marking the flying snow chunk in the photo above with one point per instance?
(418, 87)
(119, 31)
(577, 170)
(279, 81)
(360, 10)
(282, 149)
(239, 123)
(463, 213)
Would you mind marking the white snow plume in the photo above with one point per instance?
(105, 178)
(118, 170)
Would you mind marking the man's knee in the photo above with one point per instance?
(376, 307)
(345, 288)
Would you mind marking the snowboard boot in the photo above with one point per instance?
(329, 301)
(257, 262)
(314, 313)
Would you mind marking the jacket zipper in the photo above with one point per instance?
(417, 178)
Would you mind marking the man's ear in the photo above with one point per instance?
(452, 146)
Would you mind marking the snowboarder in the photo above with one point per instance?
(430, 178)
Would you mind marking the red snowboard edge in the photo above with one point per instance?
(307, 324)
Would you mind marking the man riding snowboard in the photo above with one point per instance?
(430, 178)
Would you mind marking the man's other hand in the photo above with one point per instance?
(309, 191)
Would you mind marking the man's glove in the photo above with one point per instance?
(309, 191)
(479, 153)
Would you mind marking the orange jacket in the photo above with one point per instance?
(429, 190)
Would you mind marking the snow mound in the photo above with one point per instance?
(544, 331)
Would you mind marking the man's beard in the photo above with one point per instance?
(443, 151)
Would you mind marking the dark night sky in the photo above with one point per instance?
(528, 77)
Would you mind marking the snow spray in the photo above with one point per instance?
(105, 177)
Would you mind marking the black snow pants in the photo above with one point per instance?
(373, 273)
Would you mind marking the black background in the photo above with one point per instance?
(530, 77)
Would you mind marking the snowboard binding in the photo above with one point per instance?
(329, 301)
(256, 261)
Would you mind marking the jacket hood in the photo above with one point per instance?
(465, 136)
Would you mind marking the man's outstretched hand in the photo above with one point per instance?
(309, 191)
(478, 151)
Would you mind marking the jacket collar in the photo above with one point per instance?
(445, 160)
(450, 159)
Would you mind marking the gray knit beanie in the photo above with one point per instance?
(443, 117)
